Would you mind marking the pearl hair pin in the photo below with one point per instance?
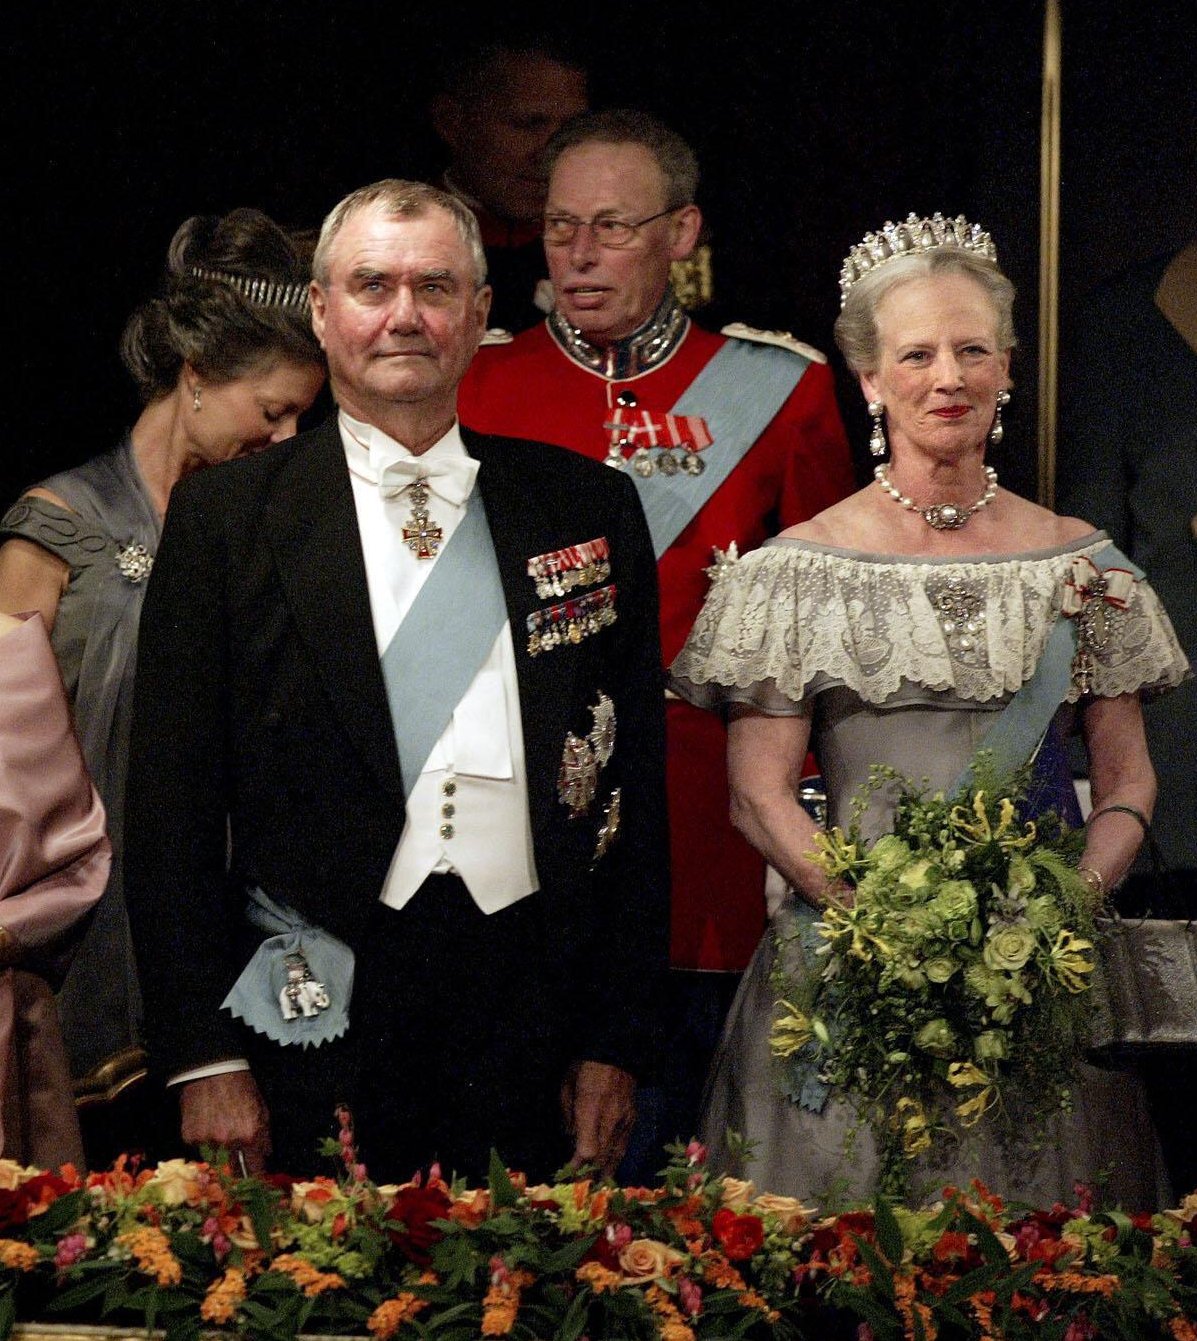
(940, 516)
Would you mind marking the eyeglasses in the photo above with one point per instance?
(561, 229)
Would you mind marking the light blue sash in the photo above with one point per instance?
(738, 393)
(444, 640)
(1015, 736)
(256, 995)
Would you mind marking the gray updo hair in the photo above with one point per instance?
(856, 326)
(207, 323)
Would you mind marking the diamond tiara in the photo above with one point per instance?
(263, 292)
(909, 239)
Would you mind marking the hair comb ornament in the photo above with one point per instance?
(910, 239)
(260, 292)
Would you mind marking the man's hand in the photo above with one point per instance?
(227, 1110)
(598, 1102)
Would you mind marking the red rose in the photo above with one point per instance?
(14, 1207)
(604, 1252)
(413, 1210)
(740, 1235)
(32, 1197)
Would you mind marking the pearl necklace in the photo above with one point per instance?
(940, 516)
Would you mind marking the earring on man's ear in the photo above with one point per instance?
(196, 400)
(877, 442)
(997, 432)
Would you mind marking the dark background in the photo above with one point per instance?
(813, 122)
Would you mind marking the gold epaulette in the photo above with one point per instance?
(496, 335)
(693, 278)
(739, 331)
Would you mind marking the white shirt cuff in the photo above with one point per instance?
(212, 1069)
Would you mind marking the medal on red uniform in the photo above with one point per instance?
(676, 439)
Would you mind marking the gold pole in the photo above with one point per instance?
(1049, 252)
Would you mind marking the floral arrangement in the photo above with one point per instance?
(190, 1248)
(954, 971)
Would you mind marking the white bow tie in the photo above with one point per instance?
(451, 477)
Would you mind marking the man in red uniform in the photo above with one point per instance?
(729, 437)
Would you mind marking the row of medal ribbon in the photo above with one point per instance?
(580, 565)
(571, 621)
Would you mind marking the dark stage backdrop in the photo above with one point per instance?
(814, 122)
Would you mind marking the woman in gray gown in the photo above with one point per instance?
(225, 361)
(894, 628)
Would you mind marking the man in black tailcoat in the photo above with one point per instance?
(398, 748)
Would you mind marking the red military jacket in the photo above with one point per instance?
(532, 388)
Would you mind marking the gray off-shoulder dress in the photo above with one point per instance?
(903, 661)
(107, 538)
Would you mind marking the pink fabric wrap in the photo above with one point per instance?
(54, 860)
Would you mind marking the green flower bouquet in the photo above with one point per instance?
(954, 968)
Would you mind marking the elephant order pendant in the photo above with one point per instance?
(301, 994)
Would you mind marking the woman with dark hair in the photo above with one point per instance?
(225, 362)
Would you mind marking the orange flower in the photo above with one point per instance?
(471, 1208)
(1075, 1283)
(498, 1315)
(223, 1297)
(673, 1326)
(69, 1174)
(720, 1273)
(151, 1248)
(674, 1329)
(391, 1314)
(1182, 1330)
(982, 1307)
(117, 1180)
(306, 1277)
(17, 1256)
(502, 1302)
(598, 1277)
(750, 1299)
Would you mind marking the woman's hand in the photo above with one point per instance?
(765, 759)
(1120, 774)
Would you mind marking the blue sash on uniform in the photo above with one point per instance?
(738, 393)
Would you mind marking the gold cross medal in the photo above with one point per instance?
(419, 534)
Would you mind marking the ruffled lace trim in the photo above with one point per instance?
(793, 618)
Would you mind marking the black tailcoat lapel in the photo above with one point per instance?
(311, 525)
